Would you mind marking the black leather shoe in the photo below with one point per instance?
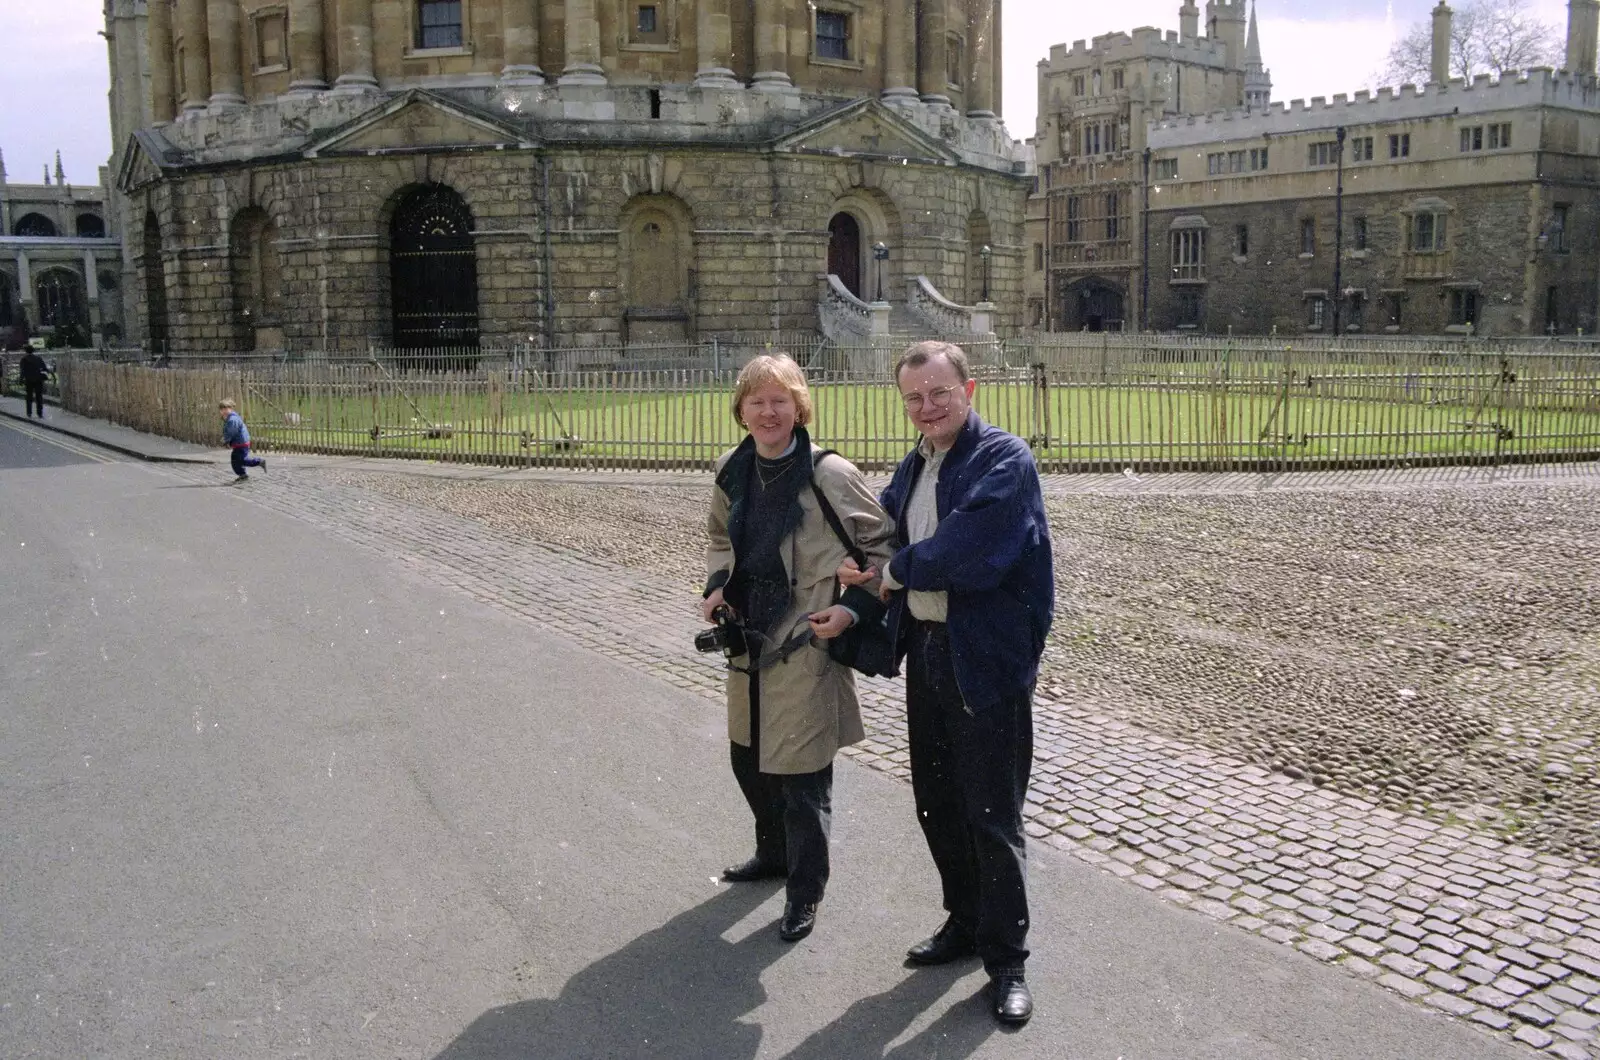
(950, 943)
(752, 870)
(1013, 1001)
(798, 920)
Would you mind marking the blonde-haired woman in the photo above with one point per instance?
(771, 563)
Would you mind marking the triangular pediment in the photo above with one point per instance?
(145, 159)
(868, 129)
(418, 121)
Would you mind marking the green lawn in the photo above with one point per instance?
(1164, 417)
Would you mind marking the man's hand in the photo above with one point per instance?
(850, 574)
(829, 623)
(710, 604)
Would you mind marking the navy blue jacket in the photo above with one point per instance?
(991, 554)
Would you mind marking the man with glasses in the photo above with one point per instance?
(972, 593)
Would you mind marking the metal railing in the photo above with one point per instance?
(1100, 402)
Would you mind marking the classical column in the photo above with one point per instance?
(899, 38)
(520, 22)
(158, 29)
(713, 45)
(305, 47)
(772, 48)
(355, 47)
(931, 72)
(583, 45)
(980, 39)
(196, 55)
(227, 84)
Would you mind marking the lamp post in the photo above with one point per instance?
(880, 254)
(1338, 240)
(984, 252)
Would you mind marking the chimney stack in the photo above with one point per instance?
(1439, 69)
(1583, 32)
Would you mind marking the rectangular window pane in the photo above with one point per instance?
(439, 23)
(647, 20)
(833, 35)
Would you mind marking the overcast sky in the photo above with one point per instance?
(53, 79)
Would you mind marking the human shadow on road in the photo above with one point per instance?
(675, 993)
(869, 1025)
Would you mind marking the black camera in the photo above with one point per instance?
(727, 636)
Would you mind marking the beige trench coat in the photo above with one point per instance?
(808, 701)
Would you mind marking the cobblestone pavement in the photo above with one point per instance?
(1232, 795)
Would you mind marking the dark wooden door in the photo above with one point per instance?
(844, 251)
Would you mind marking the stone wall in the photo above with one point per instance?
(759, 234)
(1493, 244)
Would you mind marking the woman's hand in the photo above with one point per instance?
(830, 622)
(711, 603)
(850, 574)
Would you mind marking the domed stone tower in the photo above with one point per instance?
(318, 174)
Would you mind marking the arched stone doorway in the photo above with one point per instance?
(656, 265)
(1094, 304)
(433, 271)
(155, 285)
(844, 251)
(63, 305)
(979, 275)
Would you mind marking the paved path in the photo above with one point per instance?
(271, 786)
(1482, 930)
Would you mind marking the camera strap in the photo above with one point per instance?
(786, 649)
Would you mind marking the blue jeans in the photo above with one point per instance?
(242, 459)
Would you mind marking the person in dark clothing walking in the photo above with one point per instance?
(972, 595)
(33, 372)
(236, 436)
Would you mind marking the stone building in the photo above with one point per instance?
(311, 174)
(60, 274)
(1453, 207)
(1097, 102)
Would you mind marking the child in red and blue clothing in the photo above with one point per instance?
(236, 436)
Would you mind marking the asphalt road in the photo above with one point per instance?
(265, 794)
(25, 445)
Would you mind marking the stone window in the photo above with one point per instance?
(1188, 254)
(272, 40)
(36, 225)
(1428, 233)
(646, 25)
(180, 87)
(1400, 145)
(90, 226)
(955, 61)
(1316, 310)
(833, 35)
(652, 26)
(439, 24)
(1494, 137)
(1075, 219)
(1258, 159)
(8, 303)
(1359, 233)
(1361, 149)
(62, 304)
(1241, 240)
(1038, 257)
(1463, 307)
(254, 268)
(1323, 153)
(1166, 169)
(1552, 303)
(1116, 79)
(1078, 85)
(1308, 236)
(1558, 228)
(1499, 136)
(1114, 222)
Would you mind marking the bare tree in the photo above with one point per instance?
(1486, 37)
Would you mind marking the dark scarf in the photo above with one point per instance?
(759, 580)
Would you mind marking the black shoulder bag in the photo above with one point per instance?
(865, 647)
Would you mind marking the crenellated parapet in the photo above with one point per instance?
(1143, 43)
(1539, 87)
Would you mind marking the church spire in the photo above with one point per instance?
(1257, 80)
(61, 176)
